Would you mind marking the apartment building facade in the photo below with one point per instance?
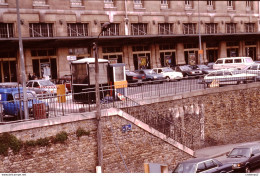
(142, 34)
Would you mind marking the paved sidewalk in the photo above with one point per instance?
(217, 151)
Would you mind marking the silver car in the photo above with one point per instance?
(42, 87)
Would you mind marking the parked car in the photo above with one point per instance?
(204, 68)
(66, 79)
(225, 77)
(244, 158)
(42, 87)
(168, 73)
(151, 76)
(202, 165)
(10, 98)
(134, 78)
(254, 69)
(189, 72)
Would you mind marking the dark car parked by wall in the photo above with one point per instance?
(204, 68)
(189, 72)
(151, 76)
(134, 78)
(244, 158)
(202, 165)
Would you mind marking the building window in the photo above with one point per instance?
(113, 30)
(249, 5)
(109, 4)
(230, 5)
(164, 4)
(188, 4)
(210, 5)
(41, 29)
(231, 28)
(211, 28)
(43, 52)
(77, 29)
(138, 4)
(139, 29)
(189, 28)
(39, 2)
(76, 2)
(113, 54)
(6, 30)
(2, 1)
(165, 28)
(249, 27)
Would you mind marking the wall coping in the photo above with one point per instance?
(199, 93)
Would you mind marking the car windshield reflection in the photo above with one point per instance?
(239, 152)
(185, 168)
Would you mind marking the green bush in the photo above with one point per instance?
(42, 142)
(61, 137)
(81, 132)
(7, 141)
(30, 143)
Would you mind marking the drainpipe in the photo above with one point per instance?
(126, 19)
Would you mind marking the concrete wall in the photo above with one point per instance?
(214, 116)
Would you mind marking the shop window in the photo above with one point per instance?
(165, 28)
(231, 28)
(249, 27)
(77, 29)
(79, 51)
(6, 30)
(232, 44)
(189, 28)
(112, 30)
(45, 67)
(41, 29)
(43, 52)
(139, 29)
(113, 54)
(211, 28)
(141, 48)
(142, 61)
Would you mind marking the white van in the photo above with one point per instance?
(233, 62)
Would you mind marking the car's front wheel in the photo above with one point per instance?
(247, 169)
(168, 79)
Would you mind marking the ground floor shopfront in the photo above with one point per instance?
(50, 58)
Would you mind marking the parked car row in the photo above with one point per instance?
(240, 159)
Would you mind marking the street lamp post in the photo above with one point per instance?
(22, 63)
(200, 50)
(104, 27)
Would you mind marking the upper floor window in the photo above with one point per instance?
(189, 28)
(211, 28)
(188, 4)
(113, 30)
(249, 27)
(39, 2)
(230, 5)
(108, 3)
(231, 28)
(77, 29)
(76, 2)
(165, 28)
(165, 4)
(6, 30)
(138, 4)
(210, 5)
(2, 1)
(41, 29)
(139, 29)
(249, 5)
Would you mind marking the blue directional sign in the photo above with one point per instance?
(126, 128)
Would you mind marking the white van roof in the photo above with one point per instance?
(233, 58)
(88, 60)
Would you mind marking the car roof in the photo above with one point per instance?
(248, 145)
(195, 160)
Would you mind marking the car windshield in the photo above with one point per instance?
(185, 68)
(17, 95)
(46, 83)
(185, 168)
(149, 72)
(203, 67)
(168, 70)
(239, 152)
